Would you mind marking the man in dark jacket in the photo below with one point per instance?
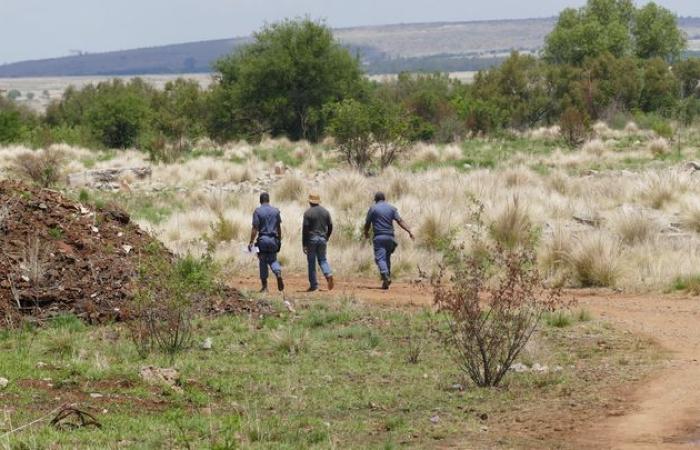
(380, 218)
(267, 227)
(316, 232)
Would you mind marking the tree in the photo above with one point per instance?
(656, 33)
(598, 27)
(179, 111)
(688, 74)
(364, 131)
(119, 113)
(616, 27)
(661, 88)
(280, 82)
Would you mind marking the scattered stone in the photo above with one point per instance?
(457, 387)
(484, 416)
(4, 382)
(289, 306)
(206, 345)
(586, 220)
(41, 365)
(484, 428)
(537, 367)
(96, 395)
(279, 168)
(161, 376)
(127, 248)
(519, 368)
(435, 419)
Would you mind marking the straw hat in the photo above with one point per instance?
(314, 198)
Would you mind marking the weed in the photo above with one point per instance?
(558, 319)
(56, 233)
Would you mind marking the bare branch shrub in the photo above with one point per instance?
(44, 167)
(164, 303)
(491, 306)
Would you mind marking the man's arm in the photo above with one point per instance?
(330, 226)
(305, 233)
(368, 223)
(403, 225)
(253, 235)
(254, 229)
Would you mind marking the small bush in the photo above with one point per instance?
(575, 126)
(658, 147)
(512, 226)
(490, 308)
(558, 319)
(594, 147)
(224, 230)
(687, 283)
(595, 261)
(290, 189)
(634, 227)
(44, 167)
(163, 307)
(690, 216)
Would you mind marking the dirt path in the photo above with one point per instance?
(663, 412)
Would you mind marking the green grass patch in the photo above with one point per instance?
(334, 374)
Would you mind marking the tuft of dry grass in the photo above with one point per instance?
(512, 225)
(634, 227)
(690, 215)
(42, 167)
(658, 147)
(594, 147)
(291, 188)
(594, 260)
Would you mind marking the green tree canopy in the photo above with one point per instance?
(280, 83)
(616, 27)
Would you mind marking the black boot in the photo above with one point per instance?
(386, 281)
(264, 286)
(280, 283)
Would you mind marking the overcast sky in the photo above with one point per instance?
(32, 29)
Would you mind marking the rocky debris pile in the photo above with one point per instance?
(58, 256)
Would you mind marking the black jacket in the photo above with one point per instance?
(317, 223)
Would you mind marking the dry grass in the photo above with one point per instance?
(594, 260)
(512, 225)
(633, 226)
(659, 147)
(217, 193)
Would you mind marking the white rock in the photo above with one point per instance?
(4, 382)
(206, 345)
(537, 367)
(519, 368)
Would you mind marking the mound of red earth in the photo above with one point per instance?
(58, 256)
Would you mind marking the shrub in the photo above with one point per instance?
(44, 167)
(658, 147)
(690, 216)
(687, 283)
(634, 227)
(595, 261)
(289, 189)
(163, 305)
(574, 126)
(491, 307)
(512, 225)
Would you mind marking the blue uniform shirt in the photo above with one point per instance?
(266, 219)
(382, 216)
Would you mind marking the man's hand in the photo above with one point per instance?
(306, 250)
(410, 234)
(250, 247)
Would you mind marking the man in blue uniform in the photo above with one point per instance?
(267, 227)
(380, 218)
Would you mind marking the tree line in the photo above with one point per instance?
(607, 60)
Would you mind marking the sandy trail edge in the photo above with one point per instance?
(663, 412)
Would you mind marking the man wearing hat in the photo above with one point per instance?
(316, 232)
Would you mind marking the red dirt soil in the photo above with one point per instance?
(58, 256)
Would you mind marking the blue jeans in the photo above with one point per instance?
(269, 259)
(316, 250)
(384, 246)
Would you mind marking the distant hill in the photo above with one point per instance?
(446, 46)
